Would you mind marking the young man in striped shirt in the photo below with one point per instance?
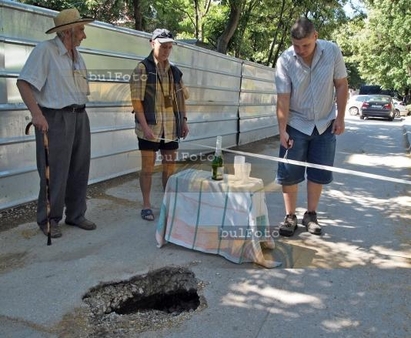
(310, 75)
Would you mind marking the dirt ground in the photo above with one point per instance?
(25, 213)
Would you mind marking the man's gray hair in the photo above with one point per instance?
(302, 28)
(63, 33)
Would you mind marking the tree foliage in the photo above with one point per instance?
(389, 40)
(379, 44)
(376, 44)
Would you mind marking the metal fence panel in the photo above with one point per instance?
(228, 97)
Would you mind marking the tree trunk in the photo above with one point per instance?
(246, 14)
(279, 27)
(284, 33)
(232, 23)
(138, 17)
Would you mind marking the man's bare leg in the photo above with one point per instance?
(314, 191)
(290, 194)
(148, 158)
(169, 165)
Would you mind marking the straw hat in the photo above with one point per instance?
(68, 18)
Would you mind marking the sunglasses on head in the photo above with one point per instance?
(163, 35)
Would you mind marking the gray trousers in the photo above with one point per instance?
(69, 164)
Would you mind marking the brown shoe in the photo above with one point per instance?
(84, 224)
(311, 223)
(55, 231)
(288, 227)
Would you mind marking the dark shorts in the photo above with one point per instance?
(314, 148)
(155, 146)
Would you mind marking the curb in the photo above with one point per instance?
(407, 136)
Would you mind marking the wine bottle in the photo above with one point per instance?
(218, 162)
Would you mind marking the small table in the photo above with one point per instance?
(227, 218)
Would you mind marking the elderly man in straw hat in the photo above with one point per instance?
(53, 84)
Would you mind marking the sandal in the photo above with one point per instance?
(147, 214)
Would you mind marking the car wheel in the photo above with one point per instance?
(397, 113)
(353, 111)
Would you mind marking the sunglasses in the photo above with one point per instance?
(164, 35)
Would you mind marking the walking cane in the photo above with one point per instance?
(47, 175)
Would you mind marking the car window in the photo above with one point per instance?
(379, 98)
(359, 98)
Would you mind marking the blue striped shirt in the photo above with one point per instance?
(311, 88)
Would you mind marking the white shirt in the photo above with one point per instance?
(57, 80)
(311, 87)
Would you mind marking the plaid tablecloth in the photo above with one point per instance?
(227, 218)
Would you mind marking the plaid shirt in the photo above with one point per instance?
(166, 126)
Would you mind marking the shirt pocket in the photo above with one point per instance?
(80, 79)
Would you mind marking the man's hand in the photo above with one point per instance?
(40, 122)
(285, 140)
(148, 133)
(338, 126)
(185, 130)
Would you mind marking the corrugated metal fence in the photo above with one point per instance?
(228, 97)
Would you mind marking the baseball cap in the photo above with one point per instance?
(162, 35)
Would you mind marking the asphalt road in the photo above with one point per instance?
(353, 281)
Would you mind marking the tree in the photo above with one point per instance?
(383, 47)
(326, 16)
(138, 15)
(345, 36)
(236, 7)
(110, 11)
(255, 30)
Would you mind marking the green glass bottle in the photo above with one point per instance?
(218, 161)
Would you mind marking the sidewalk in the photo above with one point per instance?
(354, 281)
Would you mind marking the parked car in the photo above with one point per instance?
(378, 106)
(400, 108)
(354, 104)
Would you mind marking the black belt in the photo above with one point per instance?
(75, 108)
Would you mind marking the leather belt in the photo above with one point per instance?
(75, 108)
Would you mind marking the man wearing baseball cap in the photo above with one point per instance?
(162, 36)
(53, 84)
(158, 97)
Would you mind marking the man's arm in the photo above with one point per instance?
(139, 111)
(341, 90)
(183, 109)
(26, 92)
(283, 108)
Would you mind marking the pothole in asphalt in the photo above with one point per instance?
(161, 298)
